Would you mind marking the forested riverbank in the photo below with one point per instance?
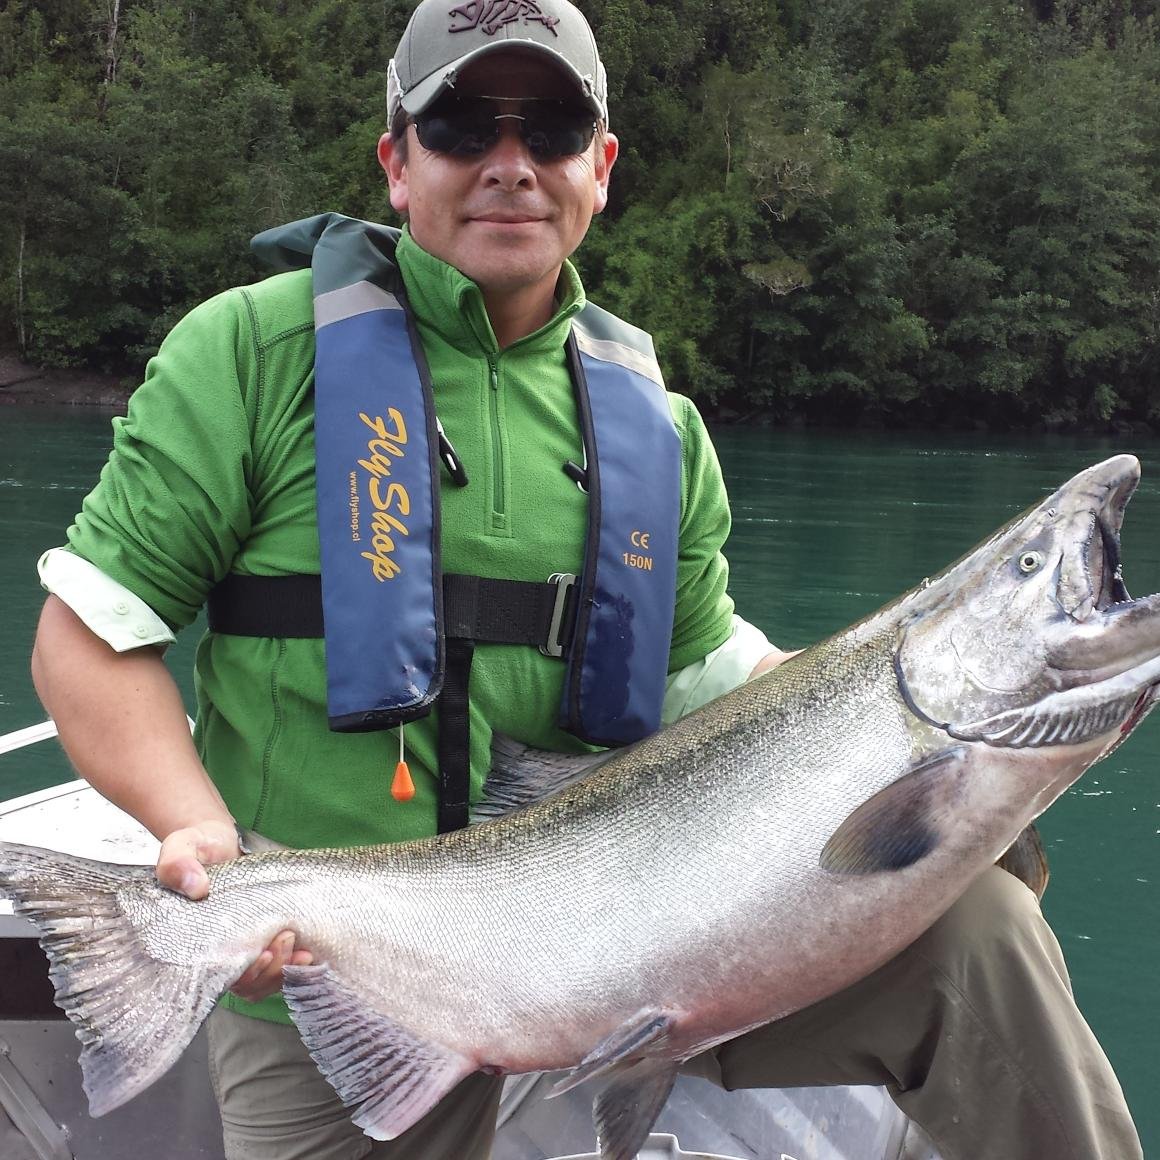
(915, 212)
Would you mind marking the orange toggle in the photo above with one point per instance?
(402, 787)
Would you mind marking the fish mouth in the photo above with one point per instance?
(1091, 575)
(1107, 633)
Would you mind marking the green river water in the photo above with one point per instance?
(826, 528)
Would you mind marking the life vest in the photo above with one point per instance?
(388, 613)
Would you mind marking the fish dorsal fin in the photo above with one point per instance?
(647, 1028)
(391, 1076)
(627, 1108)
(901, 824)
(521, 776)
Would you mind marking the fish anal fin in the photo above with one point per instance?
(646, 1029)
(389, 1075)
(627, 1108)
(901, 824)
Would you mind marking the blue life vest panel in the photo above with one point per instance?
(378, 511)
(624, 622)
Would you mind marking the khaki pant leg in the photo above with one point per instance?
(275, 1105)
(974, 1031)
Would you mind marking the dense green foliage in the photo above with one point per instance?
(917, 211)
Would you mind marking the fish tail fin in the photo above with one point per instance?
(133, 1014)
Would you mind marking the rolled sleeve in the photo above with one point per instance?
(721, 670)
(109, 610)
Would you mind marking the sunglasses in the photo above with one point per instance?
(470, 126)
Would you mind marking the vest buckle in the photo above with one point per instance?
(559, 627)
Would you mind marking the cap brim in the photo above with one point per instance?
(423, 94)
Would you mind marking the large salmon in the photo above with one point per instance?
(751, 859)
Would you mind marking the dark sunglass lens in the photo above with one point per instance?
(463, 130)
(558, 131)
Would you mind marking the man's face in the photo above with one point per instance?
(504, 218)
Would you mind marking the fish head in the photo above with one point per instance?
(1032, 639)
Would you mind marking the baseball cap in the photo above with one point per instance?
(443, 37)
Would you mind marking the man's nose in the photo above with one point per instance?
(508, 162)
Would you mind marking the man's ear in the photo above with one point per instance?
(393, 161)
(605, 159)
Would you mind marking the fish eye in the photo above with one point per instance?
(1030, 562)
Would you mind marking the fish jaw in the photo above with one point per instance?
(1109, 709)
(1032, 639)
(1109, 641)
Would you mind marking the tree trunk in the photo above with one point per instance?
(112, 28)
(21, 336)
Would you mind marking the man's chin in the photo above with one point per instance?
(507, 274)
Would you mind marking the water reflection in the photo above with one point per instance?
(826, 529)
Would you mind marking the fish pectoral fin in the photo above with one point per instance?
(627, 1108)
(252, 842)
(1027, 860)
(521, 776)
(389, 1075)
(901, 824)
(646, 1028)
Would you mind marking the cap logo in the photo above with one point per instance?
(491, 15)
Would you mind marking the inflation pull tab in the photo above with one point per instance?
(402, 787)
(450, 457)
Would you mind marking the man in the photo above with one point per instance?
(433, 436)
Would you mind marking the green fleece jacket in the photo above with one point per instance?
(212, 471)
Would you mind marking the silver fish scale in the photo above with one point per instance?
(573, 906)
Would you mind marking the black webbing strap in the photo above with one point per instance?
(455, 737)
(476, 609)
(496, 612)
(289, 606)
(502, 611)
